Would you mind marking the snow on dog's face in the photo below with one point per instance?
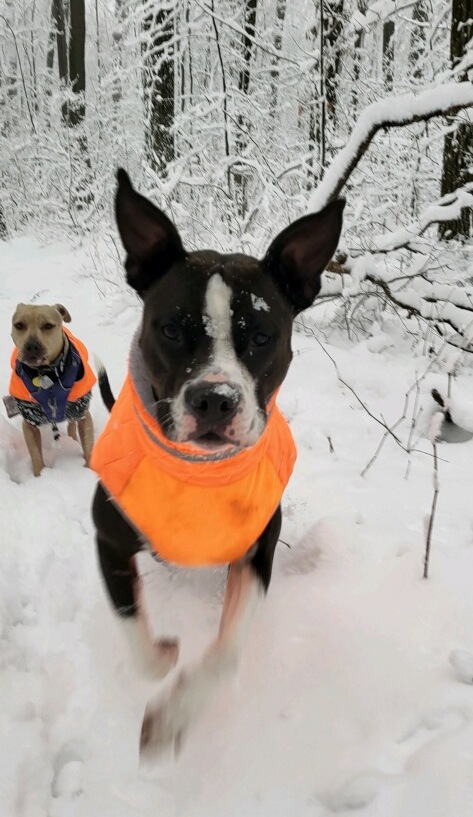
(216, 330)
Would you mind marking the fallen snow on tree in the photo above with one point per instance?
(388, 112)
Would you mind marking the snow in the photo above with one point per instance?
(355, 691)
(259, 303)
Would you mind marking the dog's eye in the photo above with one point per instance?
(19, 326)
(171, 331)
(260, 338)
(48, 326)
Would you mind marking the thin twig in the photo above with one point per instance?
(381, 421)
(432, 511)
(386, 434)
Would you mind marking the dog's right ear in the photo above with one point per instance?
(149, 237)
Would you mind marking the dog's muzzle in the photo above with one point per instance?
(32, 353)
(212, 405)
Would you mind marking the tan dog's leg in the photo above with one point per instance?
(72, 430)
(32, 436)
(86, 434)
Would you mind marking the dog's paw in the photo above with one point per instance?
(166, 721)
(161, 733)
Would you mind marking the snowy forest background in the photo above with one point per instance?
(228, 113)
(355, 692)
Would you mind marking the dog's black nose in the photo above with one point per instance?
(33, 348)
(212, 403)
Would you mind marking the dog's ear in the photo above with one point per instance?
(298, 256)
(64, 313)
(149, 237)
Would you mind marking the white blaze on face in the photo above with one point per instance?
(223, 367)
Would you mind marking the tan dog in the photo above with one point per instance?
(51, 379)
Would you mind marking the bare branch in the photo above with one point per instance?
(445, 209)
(435, 425)
(388, 430)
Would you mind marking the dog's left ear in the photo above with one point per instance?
(64, 313)
(299, 254)
(149, 237)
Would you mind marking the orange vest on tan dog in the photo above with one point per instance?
(19, 389)
(195, 508)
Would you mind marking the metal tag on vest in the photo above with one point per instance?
(45, 382)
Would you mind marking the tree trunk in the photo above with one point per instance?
(388, 54)
(50, 49)
(420, 18)
(250, 24)
(243, 86)
(159, 90)
(69, 21)
(117, 43)
(77, 61)
(458, 145)
(275, 60)
(59, 20)
(359, 44)
(328, 29)
(333, 29)
(3, 225)
(10, 77)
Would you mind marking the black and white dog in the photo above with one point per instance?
(212, 350)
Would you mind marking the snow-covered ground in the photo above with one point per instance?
(347, 700)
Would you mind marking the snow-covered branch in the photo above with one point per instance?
(390, 112)
(447, 208)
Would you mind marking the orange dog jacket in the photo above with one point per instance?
(193, 506)
(19, 389)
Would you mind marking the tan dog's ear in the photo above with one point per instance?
(63, 313)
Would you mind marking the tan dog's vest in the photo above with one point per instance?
(22, 389)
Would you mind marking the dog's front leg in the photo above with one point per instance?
(72, 430)
(86, 434)
(32, 436)
(166, 721)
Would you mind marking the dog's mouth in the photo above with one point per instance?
(212, 440)
(34, 361)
